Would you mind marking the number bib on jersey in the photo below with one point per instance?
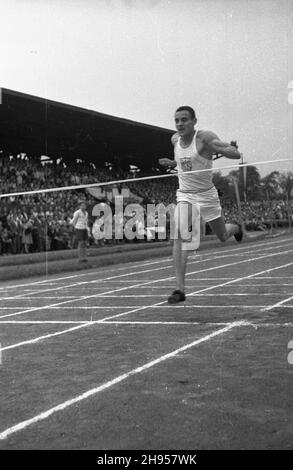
(186, 163)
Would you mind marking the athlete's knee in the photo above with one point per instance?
(223, 237)
(177, 242)
(191, 245)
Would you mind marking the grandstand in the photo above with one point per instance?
(45, 144)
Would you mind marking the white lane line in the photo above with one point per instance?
(114, 278)
(50, 306)
(271, 325)
(171, 279)
(76, 297)
(228, 294)
(159, 280)
(43, 322)
(185, 306)
(140, 322)
(237, 294)
(239, 306)
(266, 285)
(246, 277)
(229, 253)
(279, 304)
(113, 307)
(83, 307)
(94, 391)
(92, 281)
(200, 323)
(91, 273)
(80, 298)
(199, 279)
(58, 333)
(117, 322)
(227, 278)
(86, 283)
(275, 277)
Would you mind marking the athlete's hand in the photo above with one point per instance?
(217, 155)
(166, 162)
(234, 143)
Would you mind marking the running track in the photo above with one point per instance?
(100, 360)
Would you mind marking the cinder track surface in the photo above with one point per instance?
(99, 360)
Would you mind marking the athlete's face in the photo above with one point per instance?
(184, 123)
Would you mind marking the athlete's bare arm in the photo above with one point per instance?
(213, 144)
(168, 162)
(174, 138)
(74, 220)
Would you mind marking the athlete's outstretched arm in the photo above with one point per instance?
(168, 162)
(215, 145)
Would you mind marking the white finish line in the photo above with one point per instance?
(139, 322)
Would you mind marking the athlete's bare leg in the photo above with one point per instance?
(222, 230)
(180, 260)
(183, 218)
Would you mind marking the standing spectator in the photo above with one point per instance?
(18, 232)
(27, 238)
(1, 232)
(35, 233)
(7, 241)
(11, 222)
(42, 232)
(80, 223)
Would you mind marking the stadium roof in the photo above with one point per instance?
(37, 126)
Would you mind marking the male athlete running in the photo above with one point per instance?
(194, 150)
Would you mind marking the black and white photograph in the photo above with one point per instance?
(146, 241)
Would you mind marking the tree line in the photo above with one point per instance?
(252, 187)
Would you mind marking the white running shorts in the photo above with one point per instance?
(209, 202)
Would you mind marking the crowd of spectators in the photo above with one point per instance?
(39, 222)
(258, 215)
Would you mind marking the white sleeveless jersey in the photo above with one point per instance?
(188, 159)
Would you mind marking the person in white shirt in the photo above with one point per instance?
(197, 195)
(81, 225)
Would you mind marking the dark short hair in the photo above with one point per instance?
(187, 108)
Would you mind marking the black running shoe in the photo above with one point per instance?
(239, 235)
(176, 297)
